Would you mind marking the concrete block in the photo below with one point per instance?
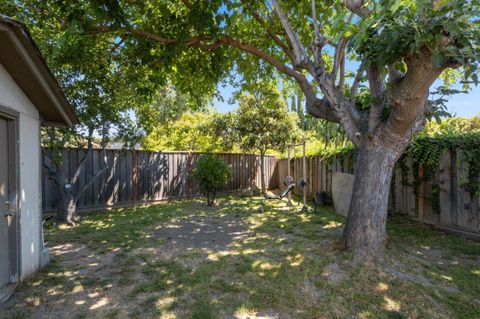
(342, 188)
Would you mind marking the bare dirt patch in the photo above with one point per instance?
(77, 282)
(210, 234)
(80, 283)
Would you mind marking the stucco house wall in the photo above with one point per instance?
(12, 97)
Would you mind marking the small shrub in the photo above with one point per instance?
(212, 173)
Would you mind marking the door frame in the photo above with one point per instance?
(12, 118)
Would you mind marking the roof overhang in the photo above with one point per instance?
(24, 62)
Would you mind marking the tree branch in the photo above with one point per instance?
(138, 32)
(356, 82)
(339, 55)
(341, 82)
(84, 157)
(316, 107)
(420, 76)
(197, 42)
(273, 35)
(117, 45)
(52, 173)
(319, 41)
(357, 7)
(316, 29)
(321, 107)
(298, 48)
(376, 90)
(188, 4)
(394, 74)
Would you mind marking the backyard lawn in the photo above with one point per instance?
(185, 260)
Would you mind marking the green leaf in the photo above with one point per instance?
(438, 59)
(475, 78)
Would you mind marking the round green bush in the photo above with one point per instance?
(212, 174)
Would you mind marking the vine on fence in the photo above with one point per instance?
(427, 151)
(454, 134)
(340, 154)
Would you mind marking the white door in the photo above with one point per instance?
(4, 218)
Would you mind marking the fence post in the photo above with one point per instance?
(134, 176)
(304, 173)
(254, 170)
(454, 187)
(289, 203)
(421, 193)
(189, 172)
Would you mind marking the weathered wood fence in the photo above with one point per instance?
(135, 177)
(433, 197)
(437, 196)
(142, 177)
(319, 172)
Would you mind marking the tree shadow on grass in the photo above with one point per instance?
(186, 260)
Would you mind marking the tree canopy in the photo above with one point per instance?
(194, 44)
(262, 123)
(191, 131)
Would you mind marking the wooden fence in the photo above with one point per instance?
(143, 177)
(437, 197)
(433, 197)
(319, 172)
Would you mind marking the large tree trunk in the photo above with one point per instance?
(365, 230)
(67, 202)
(62, 202)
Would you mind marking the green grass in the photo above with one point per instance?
(287, 263)
(122, 228)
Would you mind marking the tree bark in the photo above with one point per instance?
(211, 198)
(365, 229)
(67, 206)
(71, 209)
(62, 202)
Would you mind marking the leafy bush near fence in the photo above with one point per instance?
(212, 174)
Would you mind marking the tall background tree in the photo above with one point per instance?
(191, 131)
(262, 123)
(398, 48)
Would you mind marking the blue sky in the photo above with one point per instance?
(465, 105)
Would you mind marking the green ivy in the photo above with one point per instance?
(427, 151)
(457, 134)
(340, 154)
